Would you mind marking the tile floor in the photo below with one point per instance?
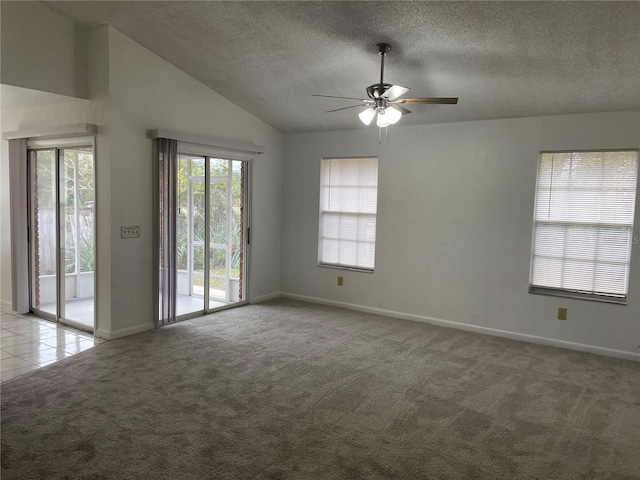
(28, 343)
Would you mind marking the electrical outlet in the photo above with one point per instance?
(562, 314)
(132, 231)
(340, 281)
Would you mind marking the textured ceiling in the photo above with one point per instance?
(502, 59)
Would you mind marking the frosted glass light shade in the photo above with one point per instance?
(393, 115)
(383, 118)
(367, 115)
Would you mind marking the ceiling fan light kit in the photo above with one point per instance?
(384, 102)
(367, 115)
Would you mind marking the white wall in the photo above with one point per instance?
(42, 50)
(133, 90)
(454, 225)
(95, 111)
(147, 93)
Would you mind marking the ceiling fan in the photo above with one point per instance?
(384, 99)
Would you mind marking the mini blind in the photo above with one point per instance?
(348, 206)
(583, 227)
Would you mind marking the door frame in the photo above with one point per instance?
(246, 226)
(58, 146)
(246, 218)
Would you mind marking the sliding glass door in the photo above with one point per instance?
(61, 234)
(226, 231)
(210, 233)
(43, 180)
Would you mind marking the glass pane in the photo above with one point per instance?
(77, 197)
(68, 200)
(348, 211)
(217, 275)
(218, 206)
(197, 273)
(584, 221)
(190, 227)
(182, 224)
(198, 210)
(198, 226)
(237, 226)
(219, 167)
(226, 227)
(43, 230)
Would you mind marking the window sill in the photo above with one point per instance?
(578, 295)
(344, 267)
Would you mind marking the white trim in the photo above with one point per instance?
(6, 307)
(18, 199)
(213, 152)
(264, 298)
(60, 142)
(204, 141)
(77, 129)
(608, 352)
(124, 332)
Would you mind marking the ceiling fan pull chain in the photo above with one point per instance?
(386, 130)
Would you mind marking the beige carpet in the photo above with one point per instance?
(288, 390)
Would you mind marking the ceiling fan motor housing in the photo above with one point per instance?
(376, 90)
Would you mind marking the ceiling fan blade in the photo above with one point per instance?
(346, 98)
(426, 100)
(404, 111)
(395, 91)
(350, 106)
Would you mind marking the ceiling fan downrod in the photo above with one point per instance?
(377, 90)
(383, 49)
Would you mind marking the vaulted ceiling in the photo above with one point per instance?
(502, 59)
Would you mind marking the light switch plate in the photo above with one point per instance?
(131, 231)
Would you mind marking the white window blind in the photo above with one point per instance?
(583, 227)
(348, 206)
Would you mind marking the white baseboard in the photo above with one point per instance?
(608, 352)
(6, 306)
(123, 332)
(264, 298)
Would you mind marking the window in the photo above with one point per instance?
(583, 226)
(348, 205)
